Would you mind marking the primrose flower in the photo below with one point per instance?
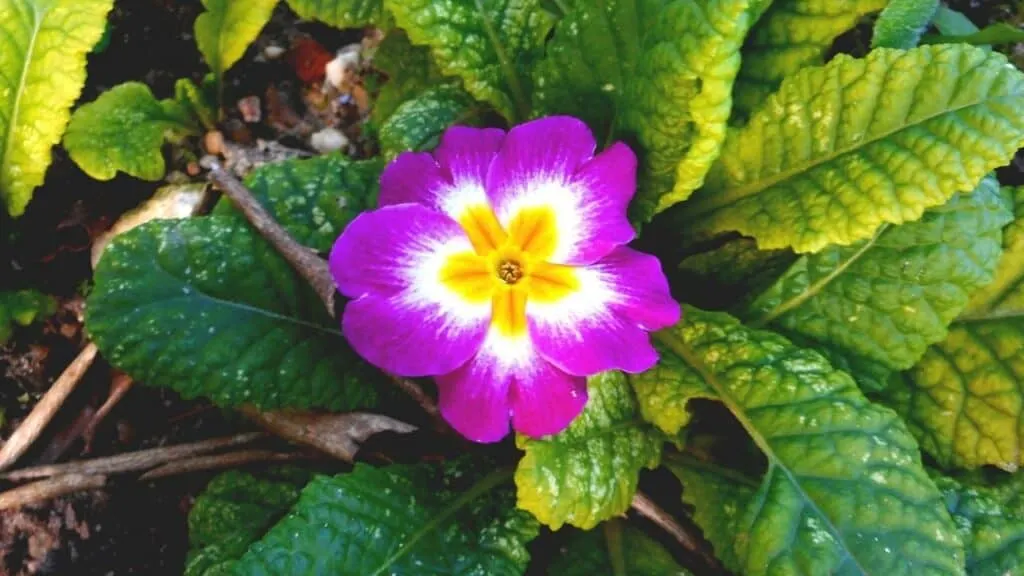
(497, 265)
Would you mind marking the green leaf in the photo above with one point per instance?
(719, 497)
(418, 123)
(227, 28)
(792, 35)
(200, 101)
(234, 511)
(589, 472)
(124, 130)
(901, 23)
(994, 535)
(998, 33)
(730, 274)
(597, 552)
(42, 71)
(205, 306)
(22, 308)
(341, 13)
(410, 71)
(489, 44)
(953, 23)
(844, 148)
(655, 72)
(888, 298)
(964, 400)
(313, 199)
(845, 492)
(399, 520)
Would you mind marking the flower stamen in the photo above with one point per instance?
(510, 271)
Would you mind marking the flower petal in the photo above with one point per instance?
(507, 377)
(451, 180)
(412, 315)
(545, 184)
(602, 323)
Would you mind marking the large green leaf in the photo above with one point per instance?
(341, 13)
(124, 130)
(21, 308)
(43, 44)
(791, 35)
(844, 148)
(489, 44)
(400, 520)
(616, 549)
(417, 124)
(888, 298)
(727, 275)
(964, 400)
(901, 23)
(315, 198)
(410, 70)
(652, 71)
(845, 492)
(227, 28)
(589, 472)
(993, 534)
(234, 511)
(207, 307)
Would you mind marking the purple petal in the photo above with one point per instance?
(474, 398)
(549, 163)
(604, 324)
(404, 318)
(451, 179)
(545, 400)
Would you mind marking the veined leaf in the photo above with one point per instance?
(731, 274)
(42, 71)
(313, 199)
(410, 71)
(200, 101)
(341, 13)
(124, 130)
(417, 124)
(227, 28)
(792, 34)
(964, 400)
(616, 549)
(845, 492)
(994, 535)
(397, 520)
(22, 308)
(844, 148)
(901, 23)
(888, 298)
(489, 44)
(589, 472)
(656, 71)
(234, 511)
(206, 307)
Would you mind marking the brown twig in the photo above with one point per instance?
(133, 461)
(313, 268)
(30, 429)
(119, 386)
(49, 488)
(218, 461)
(647, 508)
(307, 263)
(337, 435)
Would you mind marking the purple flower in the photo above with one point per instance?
(497, 264)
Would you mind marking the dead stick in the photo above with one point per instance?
(30, 429)
(650, 510)
(218, 461)
(49, 488)
(312, 267)
(133, 461)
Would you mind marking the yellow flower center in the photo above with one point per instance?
(509, 267)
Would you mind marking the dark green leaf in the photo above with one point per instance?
(994, 535)
(596, 552)
(417, 124)
(21, 308)
(999, 33)
(901, 23)
(410, 71)
(341, 13)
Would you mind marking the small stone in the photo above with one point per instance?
(328, 140)
(213, 142)
(192, 169)
(272, 52)
(339, 72)
(250, 109)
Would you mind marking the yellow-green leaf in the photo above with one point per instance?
(341, 13)
(844, 148)
(124, 130)
(43, 44)
(227, 28)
